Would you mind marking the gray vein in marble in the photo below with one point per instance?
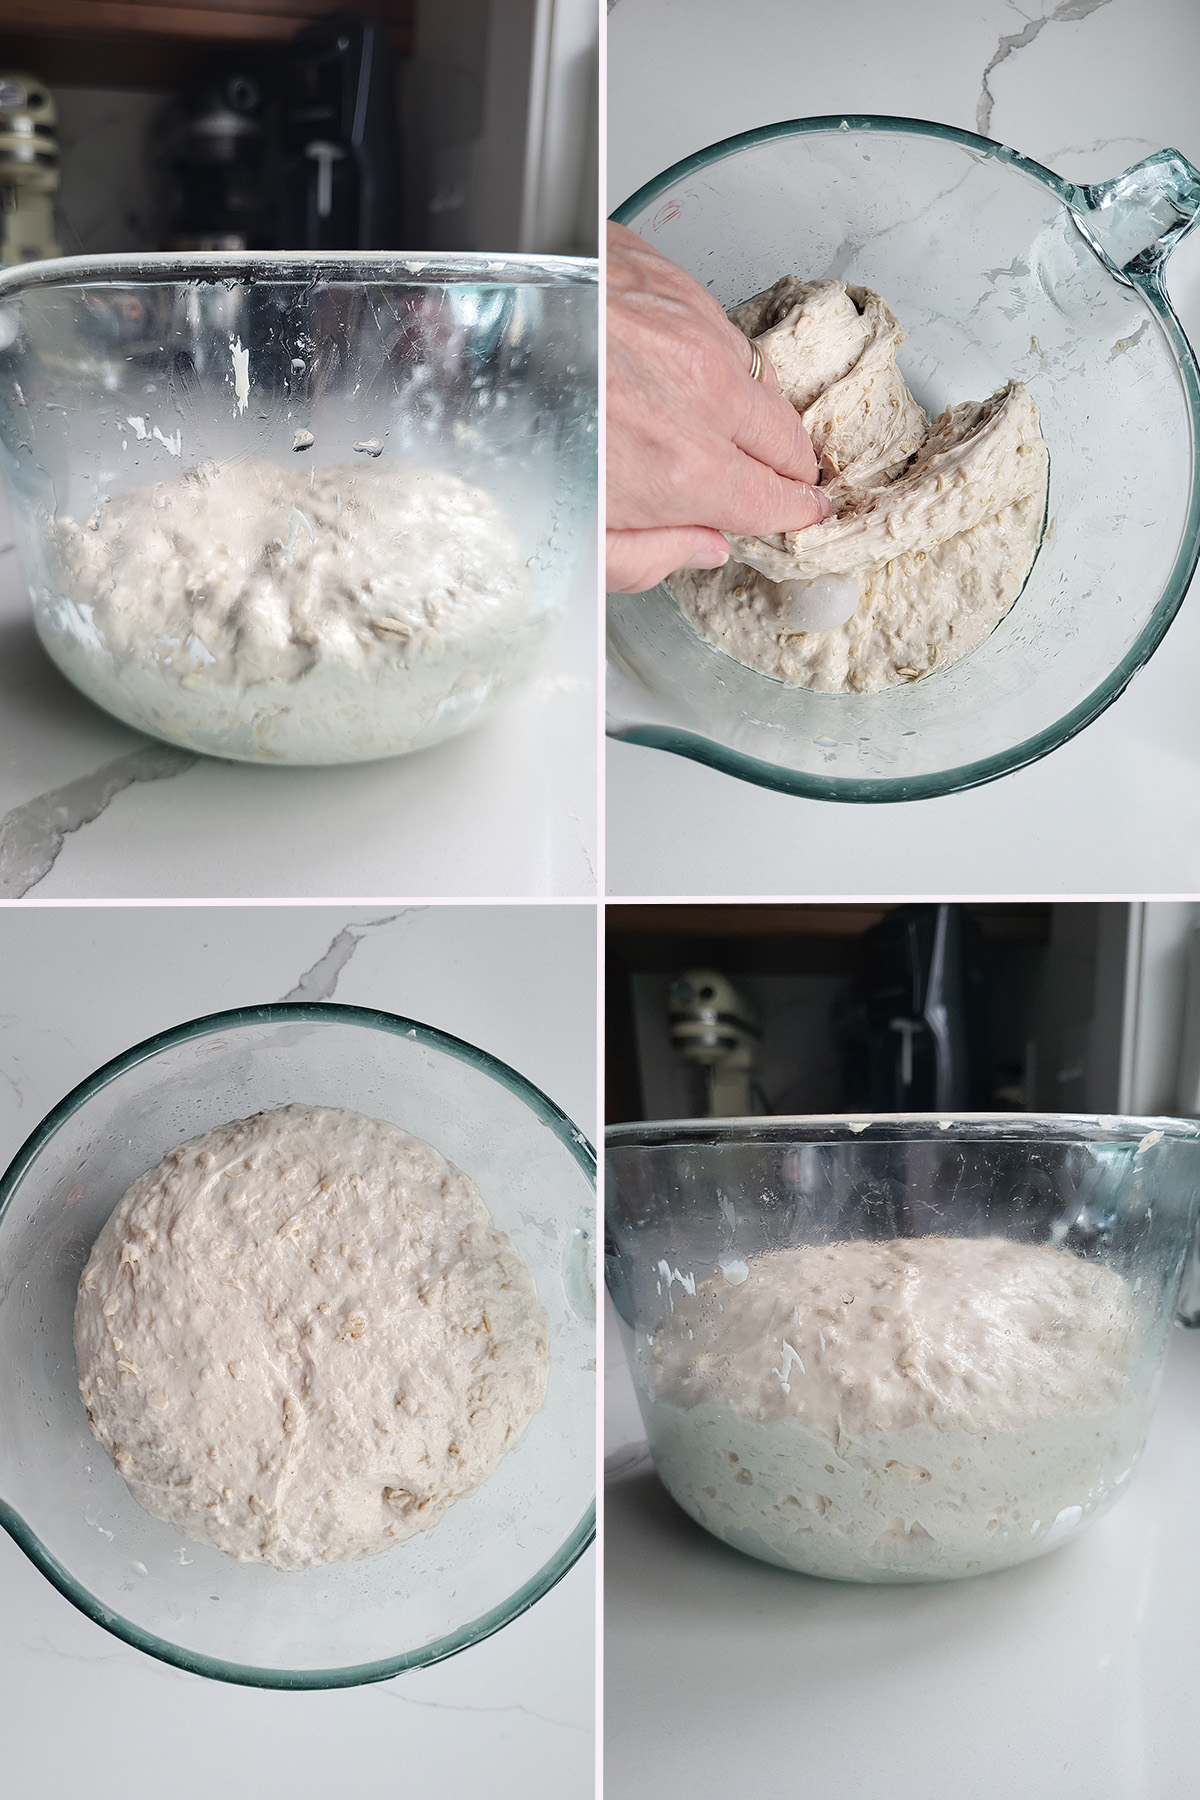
(124, 1655)
(10, 1081)
(1066, 12)
(452, 1706)
(32, 835)
(320, 982)
(1106, 144)
(842, 259)
(579, 838)
(848, 248)
(12, 1078)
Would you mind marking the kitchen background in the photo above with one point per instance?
(1068, 1679)
(440, 124)
(183, 122)
(1052, 1007)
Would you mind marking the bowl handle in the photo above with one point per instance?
(1134, 221)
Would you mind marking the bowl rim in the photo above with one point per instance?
(253, 1675)
(657, 1134)
(936, 784)
(440, 268)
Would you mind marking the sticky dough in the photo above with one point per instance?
(913, 1409)
(293, 614)
(301, 1338)
(938, 524)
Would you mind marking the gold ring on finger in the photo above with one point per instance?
(758, 364)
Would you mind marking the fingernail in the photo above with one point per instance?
(826, 504)
(708, 559)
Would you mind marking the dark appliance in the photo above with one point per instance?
(214, 147)
(915, 1038)
(341, 148)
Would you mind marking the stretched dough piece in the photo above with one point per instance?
(939, 524)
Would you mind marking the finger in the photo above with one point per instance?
(770, 431)
(635, 560)
(757, 502)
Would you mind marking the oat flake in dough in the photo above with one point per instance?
(294, 614)
(910, 1410)
(939, 524)
(301, 1338)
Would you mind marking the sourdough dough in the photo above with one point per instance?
(301, 1338)
(294, 615)
(915, 1409)
(938, 524)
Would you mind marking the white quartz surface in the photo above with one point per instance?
(1086, 87)
(508, 809)
(1073, 1677)
(83, 1713)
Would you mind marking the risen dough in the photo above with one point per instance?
(291, 613)
(928, 1407)
(301, 1338)
(938, 524)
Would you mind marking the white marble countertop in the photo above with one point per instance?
(83, 1713)
(1086, 87)
(1073, 1677)
(90, 809)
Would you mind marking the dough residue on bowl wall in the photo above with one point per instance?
(301, 1338)
(916, 1409)
(292, 614)
(938, 524)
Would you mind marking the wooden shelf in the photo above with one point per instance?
(790, 939)
(146, 43)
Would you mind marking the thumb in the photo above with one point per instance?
(757, 501)
(635, 560)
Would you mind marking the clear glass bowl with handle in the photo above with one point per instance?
(493, 1554)
(300, 509)
(899, 1348)
(997, 269)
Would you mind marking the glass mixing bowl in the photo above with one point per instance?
(335, 395)
(1022, 1448)
(997, 269)
(493, 1554)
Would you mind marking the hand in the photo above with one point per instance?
(695, 445)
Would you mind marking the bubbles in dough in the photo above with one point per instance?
(301, 1338)
(885, 1411)
(293, 614)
